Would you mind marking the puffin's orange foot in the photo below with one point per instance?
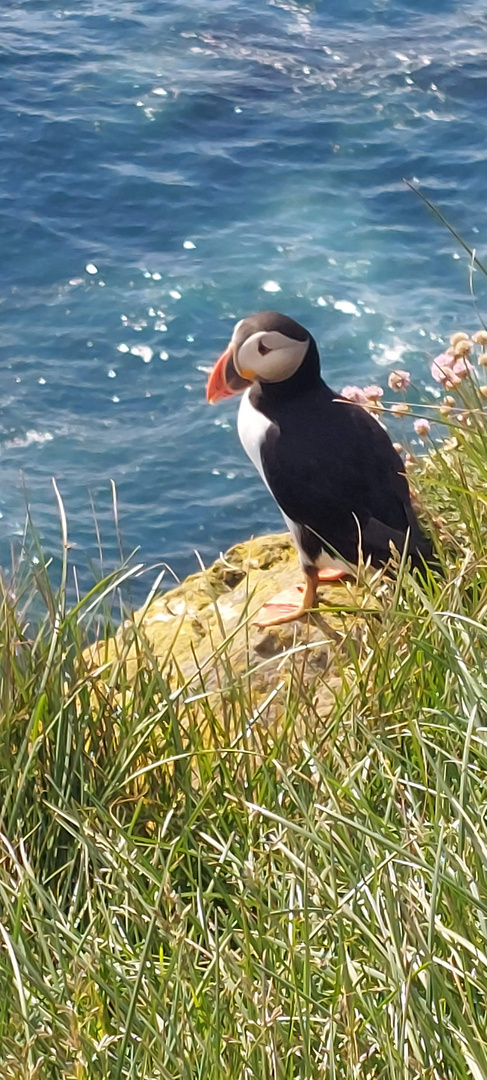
(330, 574)
(285, 607)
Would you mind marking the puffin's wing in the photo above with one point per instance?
(347, 482)
(388, 499)
(377, 538)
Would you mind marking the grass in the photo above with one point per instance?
(298, 900)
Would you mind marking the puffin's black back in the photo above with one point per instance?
(333, 470)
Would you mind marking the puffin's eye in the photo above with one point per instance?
(263, 348)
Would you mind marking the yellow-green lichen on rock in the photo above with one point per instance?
(203, 628)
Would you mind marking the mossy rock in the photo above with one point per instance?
(202, 631)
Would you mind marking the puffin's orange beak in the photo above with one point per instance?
(225, 380)
(217, 387)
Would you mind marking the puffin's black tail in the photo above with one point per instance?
(423, 555)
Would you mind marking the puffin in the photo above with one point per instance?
(330, 466)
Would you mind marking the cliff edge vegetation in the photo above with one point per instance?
(227, 852)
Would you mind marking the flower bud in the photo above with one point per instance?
(459, 336)
(422, 427)
(462, 348)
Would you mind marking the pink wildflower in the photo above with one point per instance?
(422, 427)
(449, 370)
(441, 368)
(373, 393)
(355, 394)
(399, 380)
(461, 367)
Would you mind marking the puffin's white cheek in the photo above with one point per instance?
(276, 366)
(280, 360)
(281, 364)
(248, 359)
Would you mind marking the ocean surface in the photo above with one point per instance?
(168, 166)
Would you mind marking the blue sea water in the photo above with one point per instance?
(165, 165)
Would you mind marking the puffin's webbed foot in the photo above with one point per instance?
(332, 575)
(296, 601)
(288, 605)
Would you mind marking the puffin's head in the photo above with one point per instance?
(265, 348)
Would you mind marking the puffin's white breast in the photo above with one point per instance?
(252, 430)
